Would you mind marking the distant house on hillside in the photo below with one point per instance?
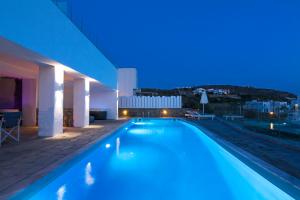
(218, 91)
(212, 91)
(198, 91)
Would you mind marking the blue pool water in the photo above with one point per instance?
(152, 160)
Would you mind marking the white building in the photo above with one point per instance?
(127, 81)
(199, 91)
(51, 65)
(211, 91)
(218, 91)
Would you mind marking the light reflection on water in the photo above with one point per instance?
(61, 192)
(143, 123)
(118, 143)
(140, 131)
(89, 179)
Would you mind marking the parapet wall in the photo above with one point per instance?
(151, 112)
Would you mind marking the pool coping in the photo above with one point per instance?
(284, 181)
(20, 186)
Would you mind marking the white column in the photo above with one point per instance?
(81, 102)
(113, 111)
(51, 89)
(29, 102)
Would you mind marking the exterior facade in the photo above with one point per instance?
(52, 66)
(127, 81)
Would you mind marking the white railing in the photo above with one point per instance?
(150, 102)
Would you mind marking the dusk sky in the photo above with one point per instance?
(192, 42)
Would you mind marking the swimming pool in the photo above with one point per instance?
(154, 159)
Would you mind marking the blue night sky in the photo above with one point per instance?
(192, 42)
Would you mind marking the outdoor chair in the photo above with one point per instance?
(10, 126)
(191, 114)
(197, 115)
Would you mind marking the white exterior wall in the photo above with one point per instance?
(150, 102)
(39, 26)
(127, 81)
(105, 101)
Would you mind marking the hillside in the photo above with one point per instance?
(236, 94)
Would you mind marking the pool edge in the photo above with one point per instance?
(284, 181)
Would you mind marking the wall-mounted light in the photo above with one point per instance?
(271, 113)
(125, 112)
(165, 112)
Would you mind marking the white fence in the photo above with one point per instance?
(150, 102)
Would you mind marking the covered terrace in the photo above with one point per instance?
(48, 93)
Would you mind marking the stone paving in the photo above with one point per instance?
(282, 153)
(22, 164)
